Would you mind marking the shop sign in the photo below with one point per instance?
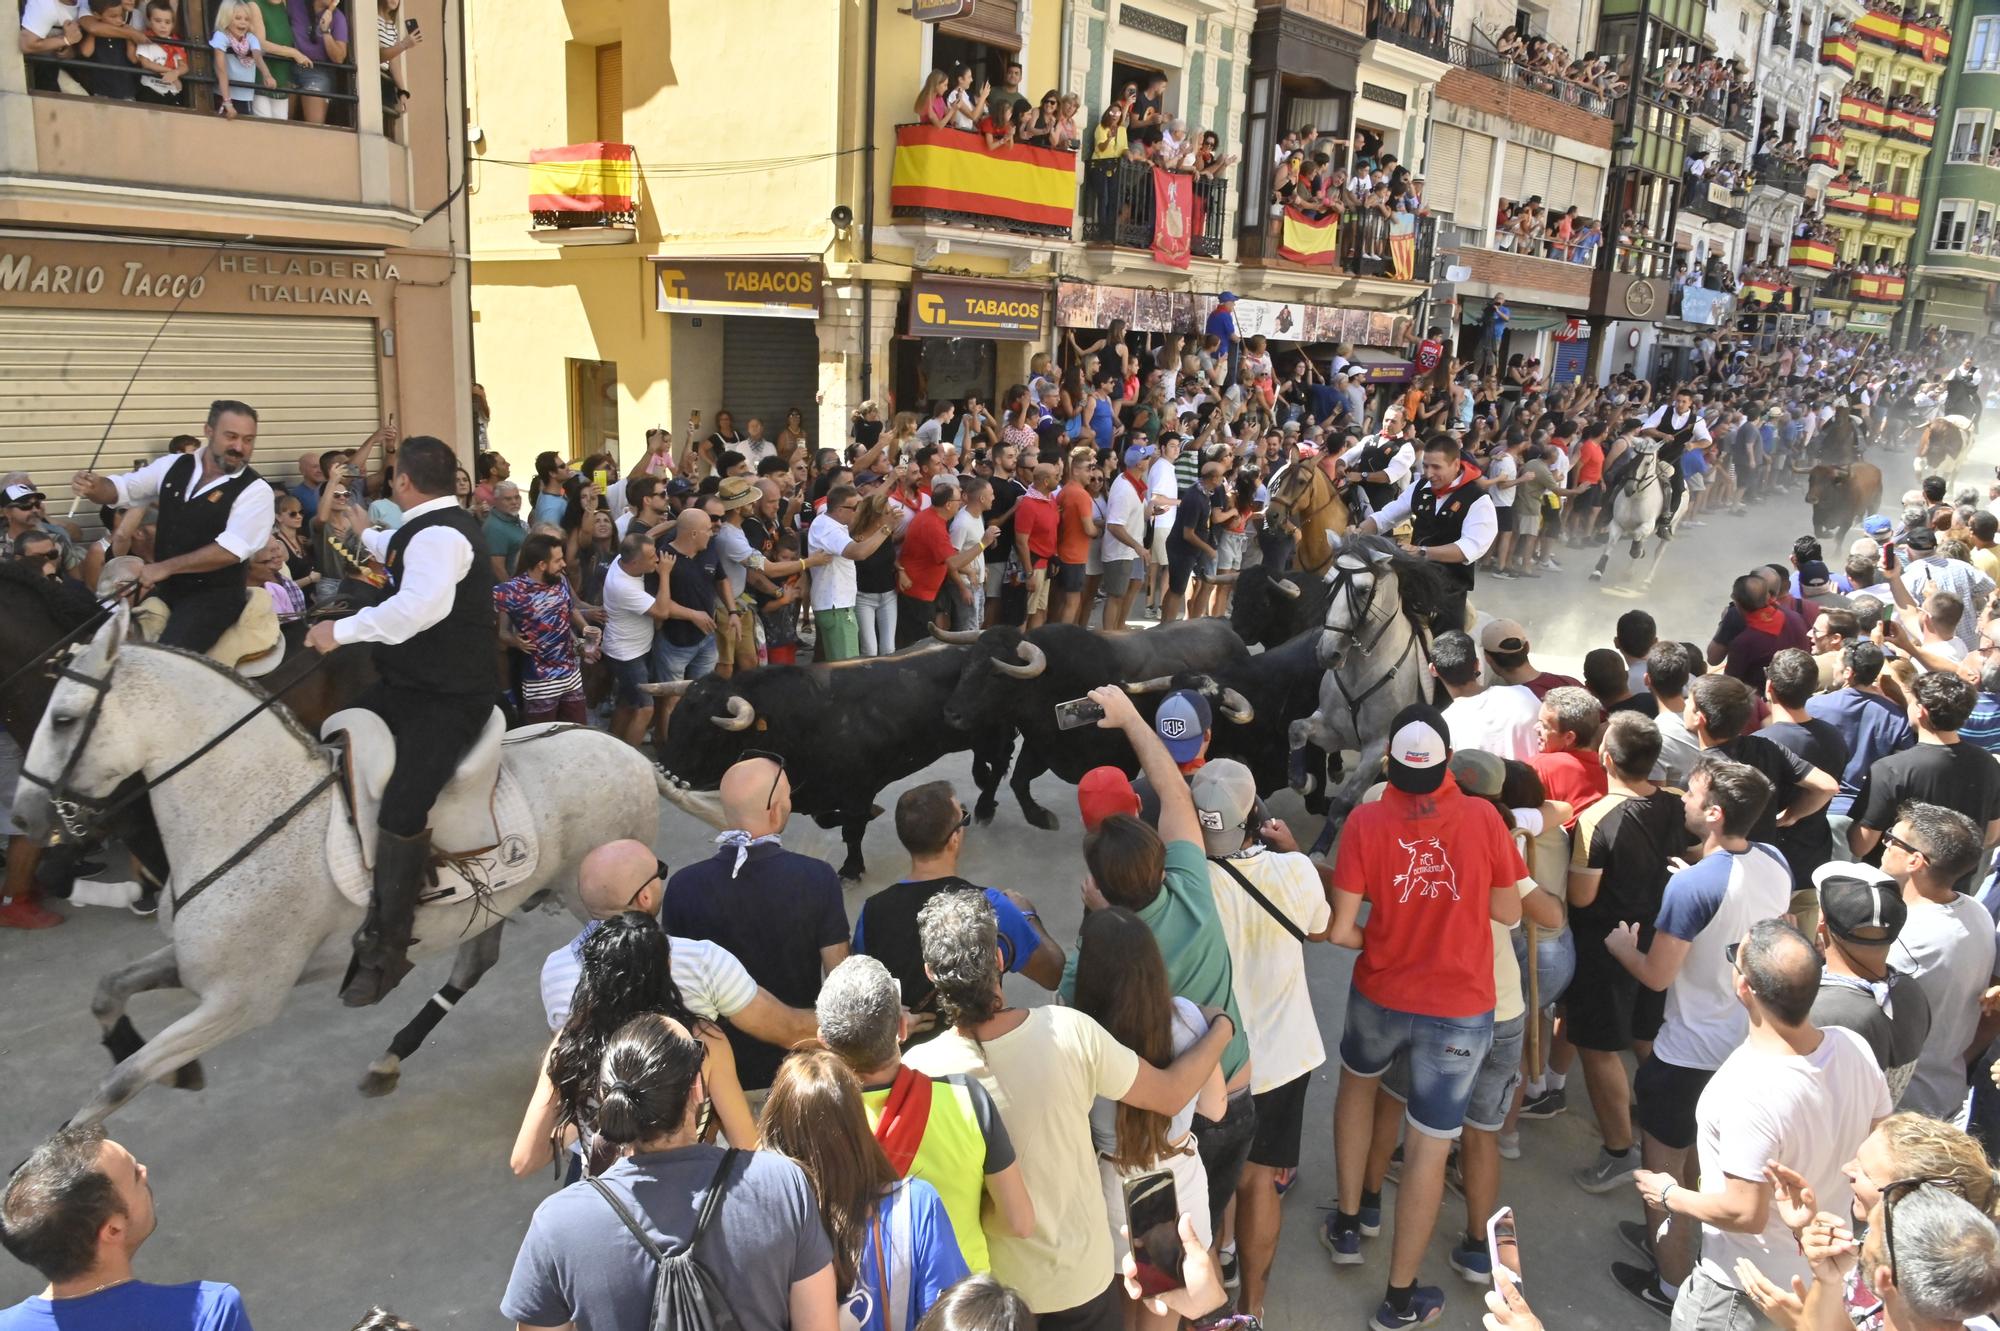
(763, 288)
(957, 307)
(939, 11)
(91, 275)
(1383, 372)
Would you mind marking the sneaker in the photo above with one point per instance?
(1504, 573)
(1643, 1284)
(1635, 1235)
(1471, 1260)
(1426, 1306)
(1607, 1172)
(1343, 1249)
(1371, 1220)
(1549, 562)
(1395, 1174)
(1510, 1145)
(22, 913)
(1546, 1105)
(147, 903)
(1232, 1270)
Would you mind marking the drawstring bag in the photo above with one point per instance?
(686, 1294)
(895, 1250)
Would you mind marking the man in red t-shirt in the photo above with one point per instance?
(926, 556)
(1571, 719)
(1586, 486)
(1037, 524)
(1078, 529)
(1435, 867)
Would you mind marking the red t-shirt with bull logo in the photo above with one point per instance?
(1426, 865)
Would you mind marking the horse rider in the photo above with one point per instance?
(1676, 424)
(1961, 390)
(1452, 524)
(1839, 444)
(434, 637)
(1382, 462)
(215, 512)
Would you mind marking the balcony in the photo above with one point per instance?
(1765, 295)
(1972, 156)
(1781, 37)
(1118, 209)
(1862, 114)
(1876, 28)
(1866, 288)
(1493, 65)
(1825, 150)
(583, 193)
(1839, 51)
(1912, 127)
(1352, 244)
(1347, 15)
(1783, 177)
(1423, 28)
(1715, 203)
(949, 177)
(1847, 202)
(1812, 257)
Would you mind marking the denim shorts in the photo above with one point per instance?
(1492, 1088)
(626, 679)
(1445, 1056)
(673, 662)
(1555, 963)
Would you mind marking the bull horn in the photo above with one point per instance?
(1159, 685)
(741, 716)
(1237, 707)
(956, 637)
(671, 689)
(1285, 587)
(1034, 659)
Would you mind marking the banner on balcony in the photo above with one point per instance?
(950, 170)
(1312, 240)
(1173, 217)
(1839, 52)
(1699, 305)
(582, 178)
(1403, 248)
(1769, 294)
(1812, 253)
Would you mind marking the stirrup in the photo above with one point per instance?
(367, 982)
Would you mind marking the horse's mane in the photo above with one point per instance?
(1422, 583)
(68, 603)
(281, 712)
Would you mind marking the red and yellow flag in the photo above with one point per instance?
(1312, 240)
(583, 178)
(1812, 254)
(951, 170)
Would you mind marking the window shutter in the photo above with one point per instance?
(1441, 170)
(1475, 182)
(994, 22)
(1514, 174)
(611, 93)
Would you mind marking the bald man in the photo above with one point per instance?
(1037, 520)
(625, 875)
(779, 912)
(311, 477)
(685, 646)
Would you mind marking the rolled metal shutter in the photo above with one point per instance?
(1571, 358)
(312, 381)
(770, 366)
(994, 22)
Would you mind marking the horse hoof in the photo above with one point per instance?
(1041, 818)
(123, 1040)
(1597, 575)
(851, 871)
(1637, 550)
(189, 1077)
(983, 811)
(381, 1077)
(1317, 805)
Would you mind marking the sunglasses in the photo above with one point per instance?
(770, 799)
(1891, 839)
(1895, 1192)
(659, 876)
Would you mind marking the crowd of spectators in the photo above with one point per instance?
(1528, 226)
(1589, 80)
(1710, 87)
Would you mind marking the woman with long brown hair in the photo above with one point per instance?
(1121, 981)
(894, 1252)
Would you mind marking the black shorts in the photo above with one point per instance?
(1606, 1008)
(1069, 577)
(1504, 513)
(1281, 1122)
(1667, 1096)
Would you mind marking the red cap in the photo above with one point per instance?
(1103, 792)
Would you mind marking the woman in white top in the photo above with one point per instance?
(1121, 981)
(965, 108)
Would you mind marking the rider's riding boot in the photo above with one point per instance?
(384, 937)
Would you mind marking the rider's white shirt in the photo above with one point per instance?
(433, 563)
(252, 514)
(1476, 537)
(1400, 466)
(1662, 419)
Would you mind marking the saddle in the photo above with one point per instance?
(253, 646)
(482, 828)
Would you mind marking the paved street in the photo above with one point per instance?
(283, 1180)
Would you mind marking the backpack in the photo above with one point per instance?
(686, 1294)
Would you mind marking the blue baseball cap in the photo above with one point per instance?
(1877, 526)
(1138, 453)
(1226, 298)
(1183, 722)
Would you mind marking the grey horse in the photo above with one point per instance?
(1375, 645)
(257, 807)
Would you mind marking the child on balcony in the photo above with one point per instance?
(162, 56)
(997, 125)
(239, 61)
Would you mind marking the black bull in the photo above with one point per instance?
(1269, 610)
(845, 731)
(1016, 679)
(1254, 702)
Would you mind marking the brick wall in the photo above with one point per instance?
(1558, 283)
(1518, 105)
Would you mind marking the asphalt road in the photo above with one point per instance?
(316, 1202)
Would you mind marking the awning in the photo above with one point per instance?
(1524, 318)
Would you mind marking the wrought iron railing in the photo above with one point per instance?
(1117, 208)
(1423, 26)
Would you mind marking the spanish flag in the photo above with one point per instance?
(582, 178)
(1839, 52)
(951, 170)
(1304, 239)
(1812, 254)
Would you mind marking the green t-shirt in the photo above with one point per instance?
(1184, 923)
(278, 28)
(504, 537)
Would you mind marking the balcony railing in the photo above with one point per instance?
(1812, 257)
(1975, 157)
(1480, 60)
(1781, 176)
(1839, 51)
(582, 185)
(1423, 27)
(1716, 203)
(950, 176)
(1873, 288)
(1357, 242)
(1781, 38)
(1878, 205)
(1117, 208)
(1932, 45)
(1765, 295)
(1825, 150)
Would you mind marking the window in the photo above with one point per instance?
(1969, 130)
(1460, 169)
(610, 62)
(593, 407)
(1983, 51)
(1954, 222)
(1560, 182)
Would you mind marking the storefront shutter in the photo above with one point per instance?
(769, 366)
(995, 22)
(312, 381)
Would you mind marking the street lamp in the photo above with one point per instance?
(1624, 151)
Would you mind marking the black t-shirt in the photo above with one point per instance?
(1896, 1040)
(1785, 770)
(1645, 704)
(1958, 776)
(888, 926)
(1007, 492)
(1819, 743)
(877, 573)
(693, 588)
(1630, 844)
(1190, 517)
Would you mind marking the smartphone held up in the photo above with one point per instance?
(1503, 1245)
(1152, 1220)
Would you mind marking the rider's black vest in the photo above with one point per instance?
(186, 525)
(1441, 521)
(456, 654)
(1671, 450)
(1376, 457)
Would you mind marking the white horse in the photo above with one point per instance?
(1377, 658)
(257, 807)
(1635, 512)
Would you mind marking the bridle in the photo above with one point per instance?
(1346, 589)
(69, 804)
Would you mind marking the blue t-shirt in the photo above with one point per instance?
(550, 505)
(199, 1305)
(925, 1261)
(1873, 728)
(1102, 422)
(1983, 726)
(1222, 323)
(308, 497)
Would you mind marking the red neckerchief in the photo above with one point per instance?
(1770, 619)
(905, 1116)
(1132, 479)
(1466, 472)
